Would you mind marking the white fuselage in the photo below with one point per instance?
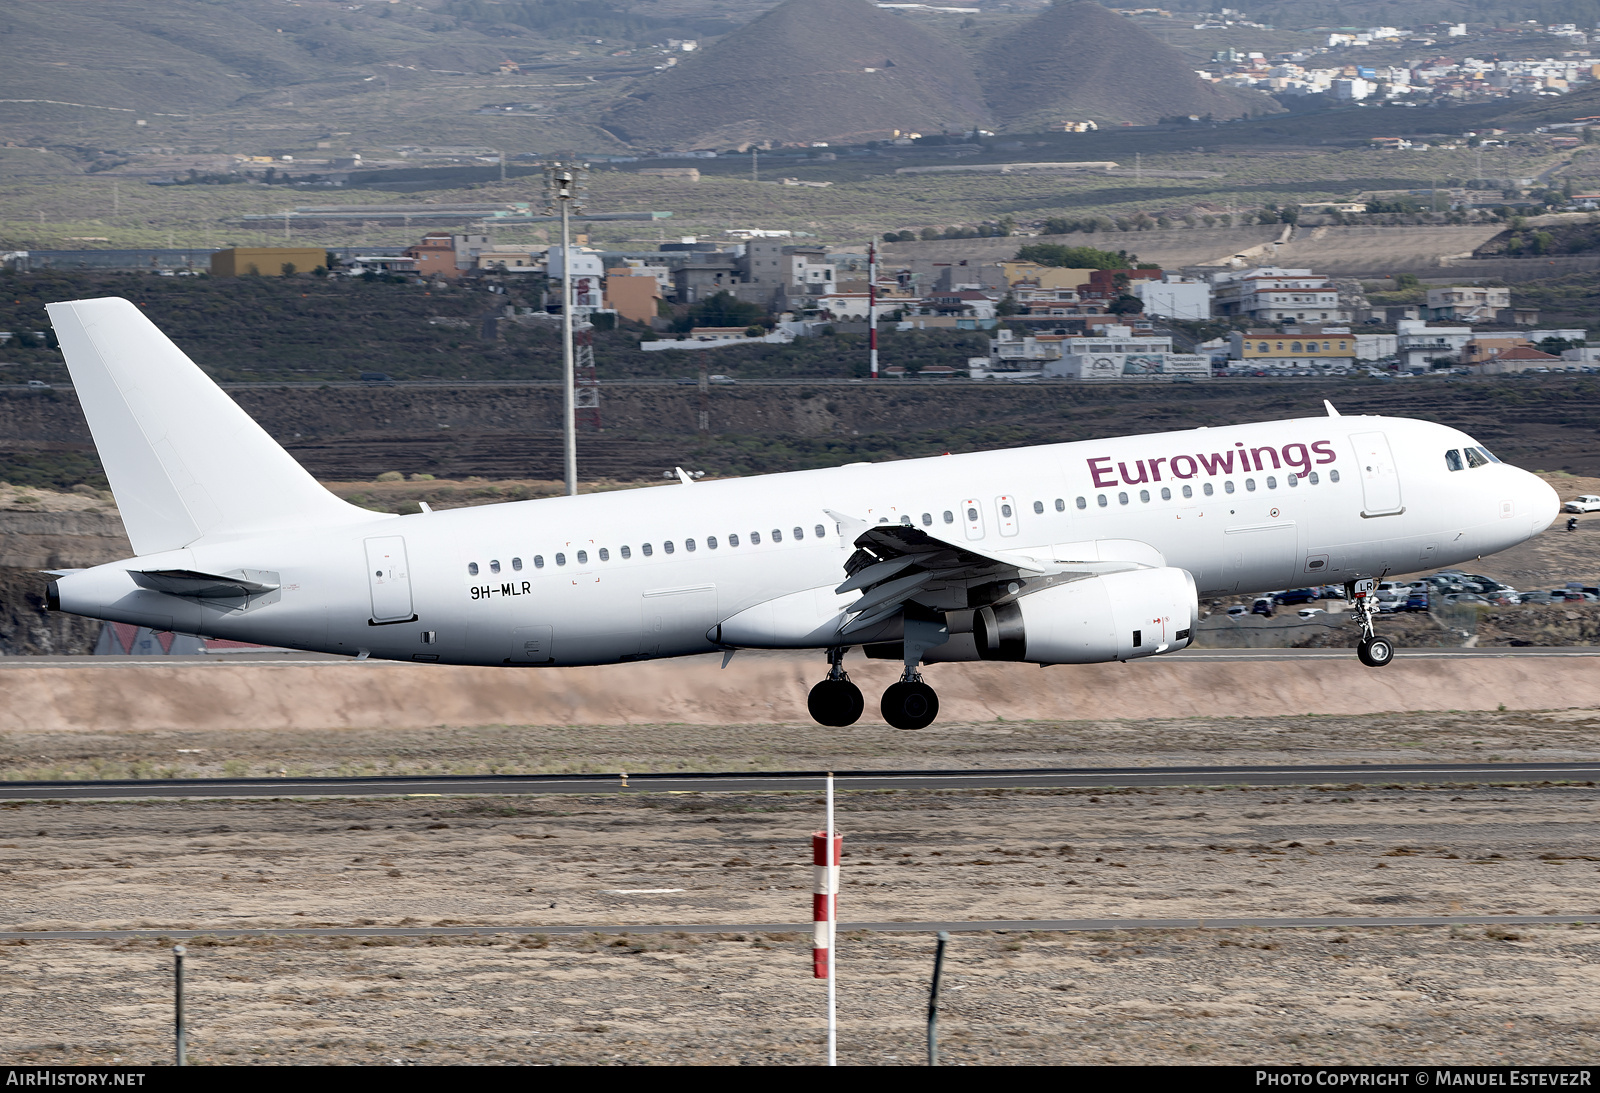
(592, 579)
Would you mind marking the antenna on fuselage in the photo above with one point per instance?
(1331, 411)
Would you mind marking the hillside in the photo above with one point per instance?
(808, 70)
(1079, 60)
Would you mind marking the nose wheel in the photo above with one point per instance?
(836, 701)
(1371, 650)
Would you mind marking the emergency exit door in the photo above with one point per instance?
(1380, 478)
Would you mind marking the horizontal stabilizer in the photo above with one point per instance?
(204, 586)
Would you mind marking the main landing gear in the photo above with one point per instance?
(908, 704)
(836, 701)
(1372, 650)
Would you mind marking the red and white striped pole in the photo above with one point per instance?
(826, 849)
(824, 902)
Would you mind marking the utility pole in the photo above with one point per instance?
(872, 307)
(755, 174)
(564, 182)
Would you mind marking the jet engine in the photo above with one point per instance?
(1117, 616)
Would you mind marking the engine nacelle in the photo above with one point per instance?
(1118, 616)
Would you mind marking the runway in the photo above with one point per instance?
(1366, 774)
(1053, 925)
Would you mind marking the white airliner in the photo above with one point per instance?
(1057, 554)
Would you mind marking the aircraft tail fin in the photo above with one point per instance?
(184, 461)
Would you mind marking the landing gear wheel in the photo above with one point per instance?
(1375, 652)
(910, 704)
(836, 702)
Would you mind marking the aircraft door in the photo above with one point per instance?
(1380, 478)
(1005, 507)
(389, 579)
(972, 514)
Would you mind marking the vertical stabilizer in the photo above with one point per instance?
(184, 461)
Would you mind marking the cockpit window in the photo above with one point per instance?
(1490, 456)
(1476, 459)
(1452, 459)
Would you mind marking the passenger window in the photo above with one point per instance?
(949, 517)
(688, 544)
(516, 565)
(1122, 499)
(1101, 498)
(561, 559)
(1315, 478)
(667, 546)
(755, 538)
(1144, 495)
(1166, 494)
(1293, 480)
(647, 549)
(1272, 483)
(1188, 491)
(1250, 484)
(494, 565)
(1227, 487)
(538, 561)
(1207, 489)
(1452, 460)
(1083, 502)
(777, 535)
(583, 557)
(820, 531)
(626, 553)
(1061, 504)
(906, 520)
(711, 542)
(472, 569)
(927, 519)
(799, 533)
(1474, 459)
(605, 555)
(1333, 476)
(972, 515)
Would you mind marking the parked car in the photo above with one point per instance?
(37, 384)
(1262, 606)
(380, 379)
(1584, 502)
(1238, 611)
(1537, 597)
(1294, 596)
(1464, 597)
(1417, 601)
(1310, 612)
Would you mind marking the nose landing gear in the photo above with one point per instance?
(1372, 650)
(836, 701)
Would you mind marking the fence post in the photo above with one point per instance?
(933, 1000)
(178, 953)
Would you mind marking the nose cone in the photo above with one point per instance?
(1543, 503)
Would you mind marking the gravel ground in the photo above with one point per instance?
(1458, 995)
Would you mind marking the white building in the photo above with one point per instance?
(1418, 344)
(1273, 295)
(1375, 347)
(585, 263)
(1115, 354)
(1174, 297)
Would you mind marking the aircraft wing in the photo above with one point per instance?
(897, 567)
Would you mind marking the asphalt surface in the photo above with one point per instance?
(1365, 774)
(1062, 925)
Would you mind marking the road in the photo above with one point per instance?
(809, 781)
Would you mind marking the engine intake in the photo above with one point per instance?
(1118, 616)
